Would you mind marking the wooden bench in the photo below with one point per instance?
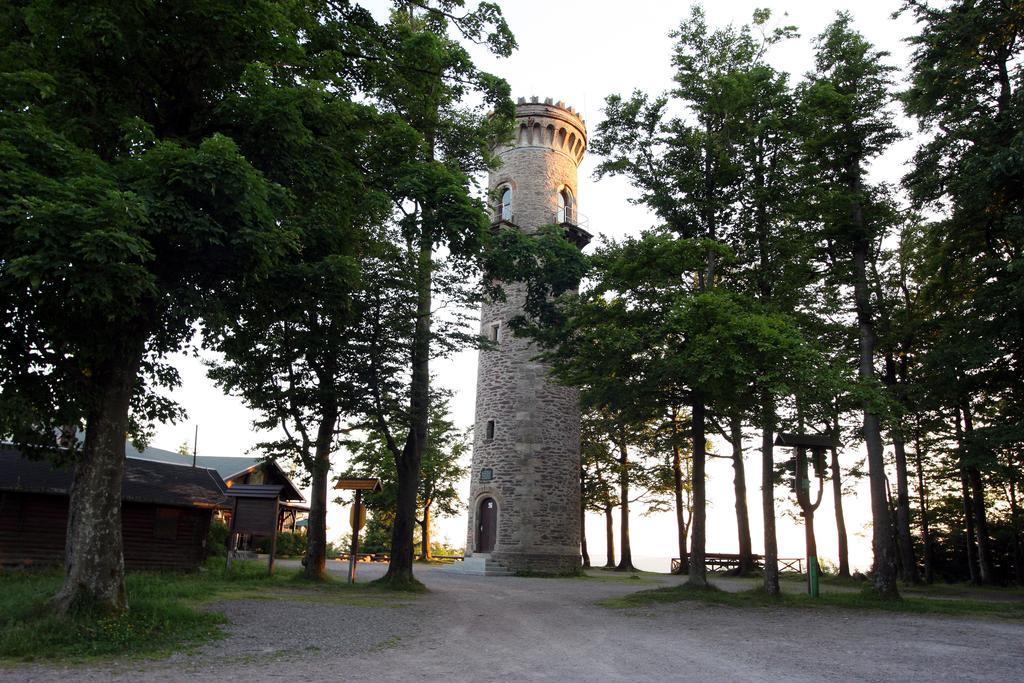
(722, 562)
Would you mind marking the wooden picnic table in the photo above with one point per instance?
(721, 562)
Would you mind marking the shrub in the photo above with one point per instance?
(288, 544)
(217, 540)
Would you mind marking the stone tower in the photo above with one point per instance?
(524, 504)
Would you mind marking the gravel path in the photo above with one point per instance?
(488, 629)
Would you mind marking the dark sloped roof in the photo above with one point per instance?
(226, 466)
(144, 481)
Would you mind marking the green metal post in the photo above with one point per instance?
(813, 572)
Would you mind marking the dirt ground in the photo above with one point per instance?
(508, 628)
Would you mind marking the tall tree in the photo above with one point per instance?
(848, 122)
(425, 77)
(598, 464)
(722, 174)
(965, 90)
(126, 215)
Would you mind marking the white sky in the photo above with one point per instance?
(580, 51)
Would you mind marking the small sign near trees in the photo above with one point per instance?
(357, 517)
(255, 512)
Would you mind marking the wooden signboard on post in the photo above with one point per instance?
(255, 512)
(817, 443)
(357, 516)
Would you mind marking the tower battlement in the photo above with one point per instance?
(522, 104)
(549, 124)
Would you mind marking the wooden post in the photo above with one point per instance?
(273, 538)
(232, 538)
(355, 537)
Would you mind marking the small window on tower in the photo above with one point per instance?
(490, 430)
(506, 204)
(492, 331)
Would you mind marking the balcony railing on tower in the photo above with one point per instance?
(568, 215)
(575, 225)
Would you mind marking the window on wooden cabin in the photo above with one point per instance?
(165, 527)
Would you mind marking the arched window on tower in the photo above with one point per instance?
(506, 204)
(566, 207)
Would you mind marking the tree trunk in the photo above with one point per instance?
(399, 574)
(771, 548)
(739, 482)
(972, 550)
(609, 534)
(884, 552)
(583, 523)
(320, 472)
(407, 463)
(812, 544)
(94, 551)
(986, 573)
(425, 533)
(904, 540)
(965, 498)
(837, 497)
(625, 552)
(677, 483)
(1015, 523)
(922, 496)
(698, 570)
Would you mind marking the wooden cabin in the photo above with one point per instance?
(165, 512)
(292, 508)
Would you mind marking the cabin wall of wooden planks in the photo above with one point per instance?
(33, 528)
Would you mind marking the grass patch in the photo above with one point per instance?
(164, 613)
(965, 589)
(850, 600)
(836, 580)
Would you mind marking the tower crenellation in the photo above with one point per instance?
(549, 124)
(524, 507)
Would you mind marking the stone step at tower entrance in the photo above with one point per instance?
(524, 505)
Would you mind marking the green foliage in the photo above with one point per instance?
(640, 337)
(441, 470)
(289, 545)
(965, 89)
(217, 540)
(122, 221)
